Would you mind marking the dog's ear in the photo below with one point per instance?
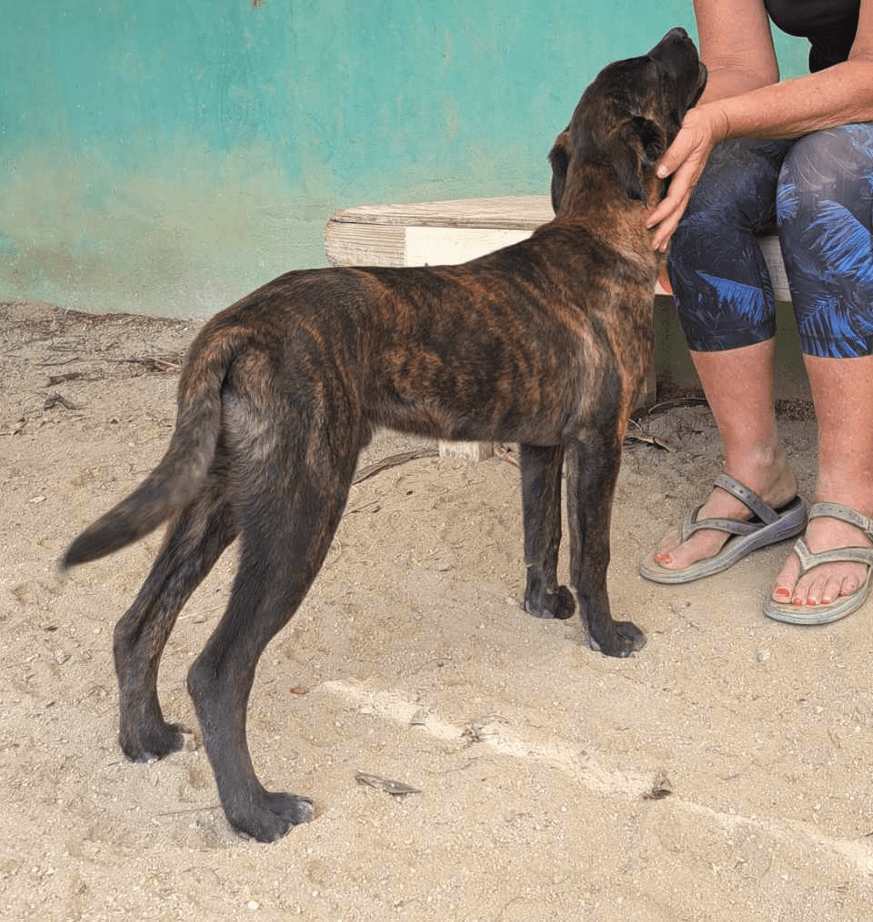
(638, 145)
(559, 157)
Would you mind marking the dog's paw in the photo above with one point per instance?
(622, 639)
(559, 604)
(148, 744)
(270, 816)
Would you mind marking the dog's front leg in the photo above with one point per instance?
(541, 503)
(593, 465)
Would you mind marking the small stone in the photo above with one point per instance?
(37, 499)
(61, 656)
(661, 787)
(419, 718)
(762, 656)
(253, 905)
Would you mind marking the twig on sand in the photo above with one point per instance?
(75, 358)
(190, 810)
(402, 457)
(647, 440)
(151, 362)
(666, 405)
(505, 454)
(58, 400)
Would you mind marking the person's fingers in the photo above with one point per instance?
(677, 153)
(683, 181)
(667, 215)
(667, 228)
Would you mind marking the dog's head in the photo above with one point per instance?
(629, 116)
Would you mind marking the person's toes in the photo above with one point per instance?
(678, 556)
(815, 588)
(850, 585)
(831, 590)
(783, 588)
(668, 544)
(801, 590)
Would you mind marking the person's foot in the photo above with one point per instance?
(824, 583)
(773, 481)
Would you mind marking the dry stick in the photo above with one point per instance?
(189, 810)
(402, 457)
(505, 455)
(151, 362)
(676, 402)
(648, 440)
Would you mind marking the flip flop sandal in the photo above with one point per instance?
(769, 526)
(844, 605)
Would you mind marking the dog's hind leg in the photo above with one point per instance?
(592, 473)
(195, 539)
(541, 500)
(291, 502)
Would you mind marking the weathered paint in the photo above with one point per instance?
(167, 157)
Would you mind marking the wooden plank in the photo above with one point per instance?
(364, 245)
(444, 246)
(516, 212)
(469, 451)
(775, 263)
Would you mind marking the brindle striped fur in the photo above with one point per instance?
(544, 343)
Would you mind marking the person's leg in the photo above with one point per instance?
(826, 188)
(725, 302)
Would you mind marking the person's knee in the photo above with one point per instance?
(829, 166)
(824, 202)
(734, 195)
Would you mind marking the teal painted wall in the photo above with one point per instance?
(166, 157)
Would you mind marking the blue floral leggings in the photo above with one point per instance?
(819, 191)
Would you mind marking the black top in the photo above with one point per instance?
(830, 26)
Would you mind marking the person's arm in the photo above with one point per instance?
(736, 46)
(835, 96)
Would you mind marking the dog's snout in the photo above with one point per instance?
(679, 33)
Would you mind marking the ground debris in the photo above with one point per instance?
(640, 434)
(480, 729)
(661, 787)
(154, 363)
(54, 380)
(58, 400)
(395, 788)
(402, 457)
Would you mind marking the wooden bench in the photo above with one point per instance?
(441, 233)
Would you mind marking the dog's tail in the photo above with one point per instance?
(179, 476)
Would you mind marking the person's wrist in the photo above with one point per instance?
(713, 118)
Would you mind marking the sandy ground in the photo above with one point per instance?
(536, 757)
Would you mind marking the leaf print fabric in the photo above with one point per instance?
(818, 190)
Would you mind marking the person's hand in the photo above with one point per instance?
(702, 128)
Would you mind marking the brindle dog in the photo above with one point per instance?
(544, 343)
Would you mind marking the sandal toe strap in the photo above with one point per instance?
(731, 526)
(810, 559)
(748, 497)
(844, 514)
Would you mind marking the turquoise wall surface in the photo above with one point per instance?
(166, 157)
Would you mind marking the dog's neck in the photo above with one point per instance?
(595, 202)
